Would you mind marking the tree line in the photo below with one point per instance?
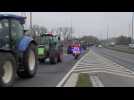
(65, 32)
(120, 40)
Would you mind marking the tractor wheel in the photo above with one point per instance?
(76, 57)
(53, 60)
(30, 63)
(60, 58)
(7, 69)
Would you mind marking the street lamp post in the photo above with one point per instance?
(132, 27)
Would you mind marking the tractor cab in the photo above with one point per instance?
(49, 40)
(46, 42)
(11, 30)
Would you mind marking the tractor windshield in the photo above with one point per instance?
(4, 32)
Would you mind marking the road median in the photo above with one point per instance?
(121, 49)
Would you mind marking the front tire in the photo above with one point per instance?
(30, 63)
(7, 69)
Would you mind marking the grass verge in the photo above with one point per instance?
(84, 80)
(125, 50)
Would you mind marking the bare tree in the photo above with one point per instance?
(38, 30)
(66, 32)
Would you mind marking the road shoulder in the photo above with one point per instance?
(99, 68)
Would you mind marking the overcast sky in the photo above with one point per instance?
(86, 23)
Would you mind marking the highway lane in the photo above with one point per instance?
(48, 75)
(124, 59)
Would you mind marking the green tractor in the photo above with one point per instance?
(50, 48)
(18, 52)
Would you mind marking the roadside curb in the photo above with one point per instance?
(66, 77)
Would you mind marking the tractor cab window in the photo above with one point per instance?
(16, 31)
(4, 32)
(4, 28)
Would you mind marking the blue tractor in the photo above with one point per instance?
(18, 52)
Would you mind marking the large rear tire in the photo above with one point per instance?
(60, 58)
(30, 63)
(7, 69)
(53, 60)
(53, 56)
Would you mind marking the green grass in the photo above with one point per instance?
(84, 80)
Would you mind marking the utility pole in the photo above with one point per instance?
(31, 20)
(129, 31)
(71, 27)
(132, 27)
(107, 32)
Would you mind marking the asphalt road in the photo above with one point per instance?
(48, 75)
(111, 80)
(124, 59)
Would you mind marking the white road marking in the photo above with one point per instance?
(71, 82)
(68, 74)
(96, 81)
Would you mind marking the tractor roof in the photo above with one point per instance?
(10, 16)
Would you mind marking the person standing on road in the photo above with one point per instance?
(61, 47)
